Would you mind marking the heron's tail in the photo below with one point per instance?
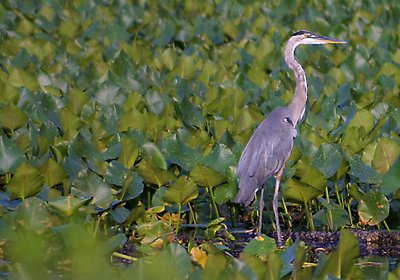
(246, 191)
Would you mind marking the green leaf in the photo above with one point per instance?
(108, 94)
(301, 192)
(22, 78)
(155, 156)
(260, 246)
(11, 155)
(33, 215)
(68, 205)
(341, 261)
(225, 192)
(76, 100)
(88, 184)
(166, 34)
(327, 159)
(391, 180)
(181, 192)
(386, 152)
(120, 214)
(69, 120)
(355, 192)
(363, 118)
(363, 172)
(220, 158)
(12, 117)
(340, 217)
(21, 59)
(116, 173)
(373, 208)
(129, 152)
(154, 175)
(310, 176)
(115, 242)
(26, 182)
(206, 176)
(156, 102)
(132, 187)
(179, 153)
(191, 114)
(52, 173)
(173, 262)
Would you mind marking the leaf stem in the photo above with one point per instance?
(179, 218)
(328, 210)
(289, 218)
(386, 225)
(123, 256)
(309, 217)
(213, 201)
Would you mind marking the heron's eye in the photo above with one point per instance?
(288, 120)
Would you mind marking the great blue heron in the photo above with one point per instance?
(271, 144)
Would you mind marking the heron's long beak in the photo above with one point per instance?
(330, 40)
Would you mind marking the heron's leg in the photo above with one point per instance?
(260, 215)
(275, 205)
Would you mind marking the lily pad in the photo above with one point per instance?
(26, 182)
(327, 159)
(301, 192)
(391, 180)
(154, 175)
(68, 205)
(12, 117)
(11, 155)
(206, 176)
(373, 208)
(155, 156)
(182, 191)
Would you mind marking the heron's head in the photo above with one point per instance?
(304, 37)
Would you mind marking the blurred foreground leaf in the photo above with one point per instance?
(342, 260)
(260, 246)
(171, 263)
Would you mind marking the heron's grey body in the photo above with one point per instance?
(271, 144)
(264, 156)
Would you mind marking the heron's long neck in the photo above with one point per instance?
(298, 103)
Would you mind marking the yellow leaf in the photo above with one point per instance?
(387, 151)
(198, 255)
